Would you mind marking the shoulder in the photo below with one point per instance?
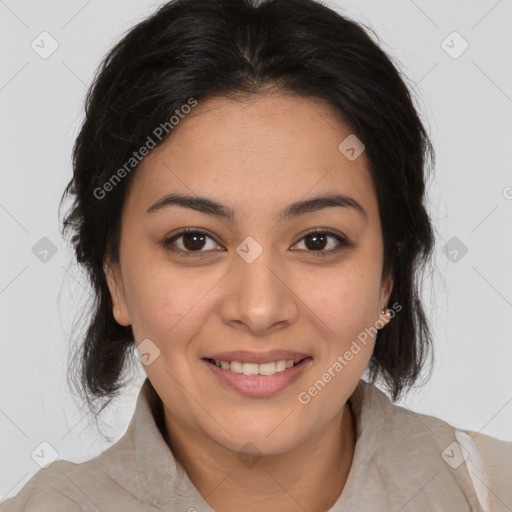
(399, 425)
(41, 493)
(496, 460)
(406, 429)
(42, 501)
(70, 487)
(496, 453)
(487, 460)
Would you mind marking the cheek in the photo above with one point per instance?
(346, 301)
(167, 305)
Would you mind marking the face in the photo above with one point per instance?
(248, 277)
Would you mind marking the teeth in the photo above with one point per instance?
(250, 368)
(235, 367)
(282, 365)
(255, 368)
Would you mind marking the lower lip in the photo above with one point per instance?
(259, 385)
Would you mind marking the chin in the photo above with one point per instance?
(265, 439)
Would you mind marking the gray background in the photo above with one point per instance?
(466, 103)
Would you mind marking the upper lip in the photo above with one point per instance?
(258, 357)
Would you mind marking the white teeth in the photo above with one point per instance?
(255, 368)
(281, 365)
(235, 367)
(267, 368)
(250, 368)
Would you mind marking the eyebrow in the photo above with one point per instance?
(211, 207)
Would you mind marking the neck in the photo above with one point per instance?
(309, 477)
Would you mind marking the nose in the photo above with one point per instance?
(259, 299)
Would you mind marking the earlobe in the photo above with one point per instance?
(385, 317)
(117, 294)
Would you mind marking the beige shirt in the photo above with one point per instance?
(403, 461)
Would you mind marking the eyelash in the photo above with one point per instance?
(343, 243)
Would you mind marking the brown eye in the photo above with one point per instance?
(188, 242)
(193, 241)
(318, 242)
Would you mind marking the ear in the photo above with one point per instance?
(117, 293)
(384, 294)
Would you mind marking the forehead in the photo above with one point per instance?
(261, 149)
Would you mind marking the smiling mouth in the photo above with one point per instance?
(267, 369)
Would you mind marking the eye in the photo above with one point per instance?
(192, 241)
(316, 242)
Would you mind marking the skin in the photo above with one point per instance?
(256, 155)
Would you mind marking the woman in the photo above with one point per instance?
(249, 204)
